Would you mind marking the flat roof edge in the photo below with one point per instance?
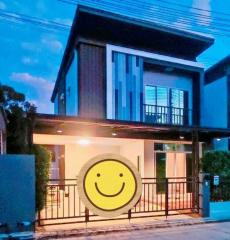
(148, 24)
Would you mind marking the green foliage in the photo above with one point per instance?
(42, 165)
(216, 163)
(21, 115)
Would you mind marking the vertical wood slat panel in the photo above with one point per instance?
(91, 81)
(128, 77)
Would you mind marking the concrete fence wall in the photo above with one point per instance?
(17, 189)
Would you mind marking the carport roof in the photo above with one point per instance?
(75, 126)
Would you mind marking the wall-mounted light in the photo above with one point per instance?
(83, 142)
(114, 134)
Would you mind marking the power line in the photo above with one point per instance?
(167, 20)
(141, 4)
(195, 8)
(22, 18)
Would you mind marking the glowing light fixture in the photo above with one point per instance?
(114, 134)
(83, 142)
(59, 131)
(181, 137)
(218, 139)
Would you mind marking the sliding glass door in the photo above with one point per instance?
(165, 105)
(179, 104)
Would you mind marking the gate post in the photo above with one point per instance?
(166, 197)
(86, 214)
(204, 195)
(129, 214)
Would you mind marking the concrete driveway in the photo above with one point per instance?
(212, 231)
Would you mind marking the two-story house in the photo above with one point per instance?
(217, 109)
(132, 88)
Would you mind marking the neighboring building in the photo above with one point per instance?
(3, 122)
(217, 100)
(132, 88)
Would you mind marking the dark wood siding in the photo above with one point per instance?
(92, 92)
(196, 98)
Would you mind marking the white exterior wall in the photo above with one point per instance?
(170, 80)
(131, 151)
(215, 109)
(215, 104)
(77, 155)
(72, 88)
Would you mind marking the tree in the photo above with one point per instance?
(21, 115)
(216, 163)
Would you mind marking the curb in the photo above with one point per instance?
(94, 231)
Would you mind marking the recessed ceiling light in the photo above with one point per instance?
(83, 142)
(181, 137)
(218, 139)
(169, 69)
(59, 131)
(114, 134)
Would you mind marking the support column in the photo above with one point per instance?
(195, 154)
(204, 192)
(195, 169)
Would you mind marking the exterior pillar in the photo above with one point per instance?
(195, 154)
(204, 195)
(195, 170)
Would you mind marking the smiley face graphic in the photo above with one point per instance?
(109, 185)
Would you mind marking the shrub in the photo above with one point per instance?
(42, 167)
(216, 163)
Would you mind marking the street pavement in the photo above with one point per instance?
(211, 231)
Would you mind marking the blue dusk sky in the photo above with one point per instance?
(31, 53)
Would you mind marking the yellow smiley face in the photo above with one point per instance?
(109, 185)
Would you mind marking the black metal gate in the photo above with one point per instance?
(221, 191)
(160, 197)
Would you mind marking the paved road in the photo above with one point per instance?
(214, 231)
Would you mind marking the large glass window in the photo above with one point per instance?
(177, 98)
(166, 105)
(150, 95)
(160, 171)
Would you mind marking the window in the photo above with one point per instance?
(160, 171)
(150, 95)
(166, 105)
(156, 96)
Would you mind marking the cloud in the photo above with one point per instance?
(29, 61)
(2, 5)
(32, 80)
(42, 86)
(29, 46)
(41, 6)
(52, 44)
(65, 21)
(48, 43)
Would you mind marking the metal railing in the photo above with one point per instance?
(166, 115)
(160, 197)
(221, 192)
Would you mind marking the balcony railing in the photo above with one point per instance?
(166, 115)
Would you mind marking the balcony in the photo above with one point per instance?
(166, 115)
